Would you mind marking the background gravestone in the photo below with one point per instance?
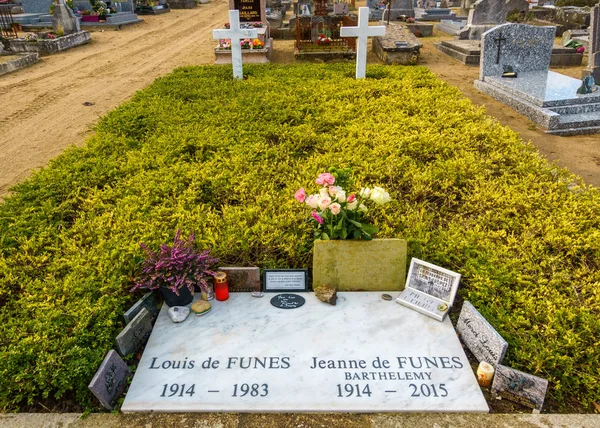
(520, 6)
(64, 20)
(250, 10)
(523, 47)
(594, 51)
(487, 12)
(134, 335)
(109, 382)
(479, 336)
(36, 6)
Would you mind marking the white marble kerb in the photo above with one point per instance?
(363, 355)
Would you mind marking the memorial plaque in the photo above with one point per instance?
(361, 356)
(479, 336)
(133, 336)
(250, 10)
(287, 301)
(109, 382)
(520, 387)
(286, 279)
(430, 289)
(149, 301)
(242, 279)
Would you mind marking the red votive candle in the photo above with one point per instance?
(221, 286)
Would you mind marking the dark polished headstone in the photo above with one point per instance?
(135, 334)
(110, 380)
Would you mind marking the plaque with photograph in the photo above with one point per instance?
(430, 289)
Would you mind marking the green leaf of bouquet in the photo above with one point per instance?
(369, 228)
(324, 236)
(355, 223)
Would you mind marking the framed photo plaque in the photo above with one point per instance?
(430, 289)
(282, 280)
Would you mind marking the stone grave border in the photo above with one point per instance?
(52, 46)
(23, 60)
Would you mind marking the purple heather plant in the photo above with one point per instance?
(175, 267)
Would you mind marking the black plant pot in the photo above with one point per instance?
(171, 299)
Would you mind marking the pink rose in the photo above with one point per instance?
(317, 217)
(325, 179)
(324, 202)
(312, 201)
(300, 195)
(580, 49)
(351, 198)
(335, 208)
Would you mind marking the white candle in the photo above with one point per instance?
(485, 374)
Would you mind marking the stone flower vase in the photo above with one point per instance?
(171, 299)
(357, 265)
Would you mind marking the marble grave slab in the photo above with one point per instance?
(364, 355)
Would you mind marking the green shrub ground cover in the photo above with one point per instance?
(222, 158)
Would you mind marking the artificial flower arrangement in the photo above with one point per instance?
(251, 44)
(243, 25)
(225, 43)
(323, 39)
(34, 37)
(338, 213)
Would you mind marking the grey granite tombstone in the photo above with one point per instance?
(594, 44)
(64, 20)
(398, 8)
(520, 6)
(520, 387)
(479, 336)
(109, 382)
(523, 47)
(36, 6)
(82, 5)
(133, 336)
(242, 278)
(149, 301)
(487, 12)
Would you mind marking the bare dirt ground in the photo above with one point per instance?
(42, 107)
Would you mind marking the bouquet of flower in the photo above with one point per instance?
(225, 43)
(323, 39)
(337, 213)
(246, 43)
(257, 44)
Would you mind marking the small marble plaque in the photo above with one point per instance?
(286, 279)
(109, 382)
(430, 289)
(242, 279)
(520, 387)
(479, 336)
(363, 355)
(133, 336)
(149, 301)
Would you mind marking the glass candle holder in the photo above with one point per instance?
(221, 286)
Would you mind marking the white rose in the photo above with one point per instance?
(365, 192)
(324, 192)
(352, 205)
(341, 196)
(312, 201)
(362, 208)
(324, 202)
(380, 196)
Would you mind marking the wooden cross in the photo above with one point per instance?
(499, 41)
(235, 34)
(362, 32)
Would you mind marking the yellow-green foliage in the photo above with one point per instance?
(222, 158)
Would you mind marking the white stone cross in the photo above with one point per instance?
(363, 31)
(235, 34)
